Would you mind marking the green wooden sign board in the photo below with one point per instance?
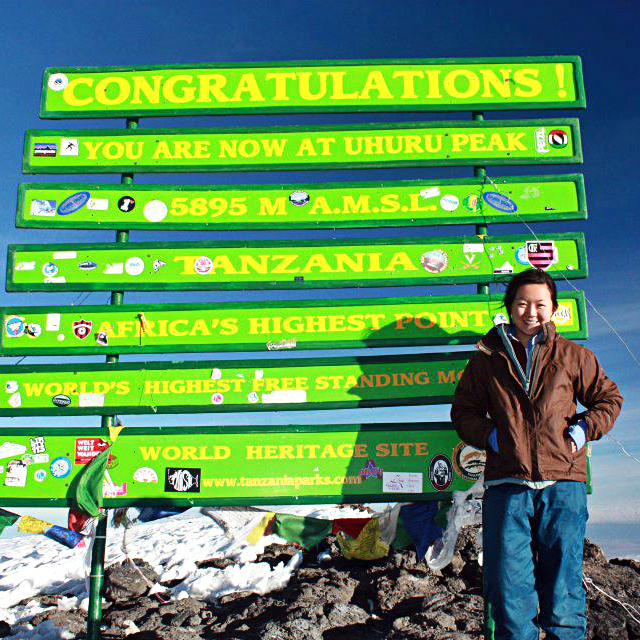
(364, 204)
(260, 326)
(405, 144)
(225, 385)
(282, 87)
(281, 265)
(188, 466)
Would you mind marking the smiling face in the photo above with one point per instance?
(531, 308)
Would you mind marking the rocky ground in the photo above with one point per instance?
(395, 598)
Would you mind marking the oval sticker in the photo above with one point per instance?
(61, 400)
(499, 201)
(73, 203)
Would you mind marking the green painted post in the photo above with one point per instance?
(481, 230)
(96, 579)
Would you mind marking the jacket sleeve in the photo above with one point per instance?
(599, 395)
(471, 405)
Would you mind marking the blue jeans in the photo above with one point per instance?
(533, 541)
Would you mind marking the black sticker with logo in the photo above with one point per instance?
(440, 472)
(126, 204)
(182, 480)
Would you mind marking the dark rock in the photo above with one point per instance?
(393, 598)
(5, 629)
(123, 582)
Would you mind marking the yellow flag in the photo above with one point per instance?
(258, 531)
(367, 546)
(29, 524)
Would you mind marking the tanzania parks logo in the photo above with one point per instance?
(182, 480)
(82, 328)
(468, 461)
(440, 472)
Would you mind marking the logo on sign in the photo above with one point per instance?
(126, 204)
(15, 327)
(182, 480)
(468, 461)
(440, 472)
(558, 139)
(88, 448)
(499, 201)
(60, 467)
(73, 203)
(82, 328)
(541, 255)
(203, 265)
(45, 149)
(61, 400)
(49, 269)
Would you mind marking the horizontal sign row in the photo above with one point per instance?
(260, 326)
(283, 87)
(405, 144)
(240, 465)
(364, 204)
(224, 385)
(283, 265)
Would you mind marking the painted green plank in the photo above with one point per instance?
(405, 144)
(260, 326)
(241, 465)
(281, 265)
(224, 385)
(364, 204)
(284, 87)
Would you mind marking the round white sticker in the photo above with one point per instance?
(449, 202)
(58, 81)
(155, 211)
(134, 266)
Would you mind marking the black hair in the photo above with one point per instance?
(530, 276)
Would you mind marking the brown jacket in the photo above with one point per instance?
(532, 429)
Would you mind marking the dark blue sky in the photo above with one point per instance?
(37, 34)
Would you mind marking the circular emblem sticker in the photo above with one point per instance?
(34, 330)
(299, 198)
(134, 266)
(217, 398)
(472, 203)
(253, 397)
(61, 467)
(40, 475)
(203, 265)
(558, 139)
(49, 269)
(521, 255)
(57, 81)
(126, 204)
(434, 261)
(155, 210)
(449, 202)
(468, 461)
(440, 472)
(15, 327)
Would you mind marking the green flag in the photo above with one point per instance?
(307, 532)
(7, 519)
(88, 490)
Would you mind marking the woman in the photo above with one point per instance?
(517, 400)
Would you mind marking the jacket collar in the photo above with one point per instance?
(492, 341)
